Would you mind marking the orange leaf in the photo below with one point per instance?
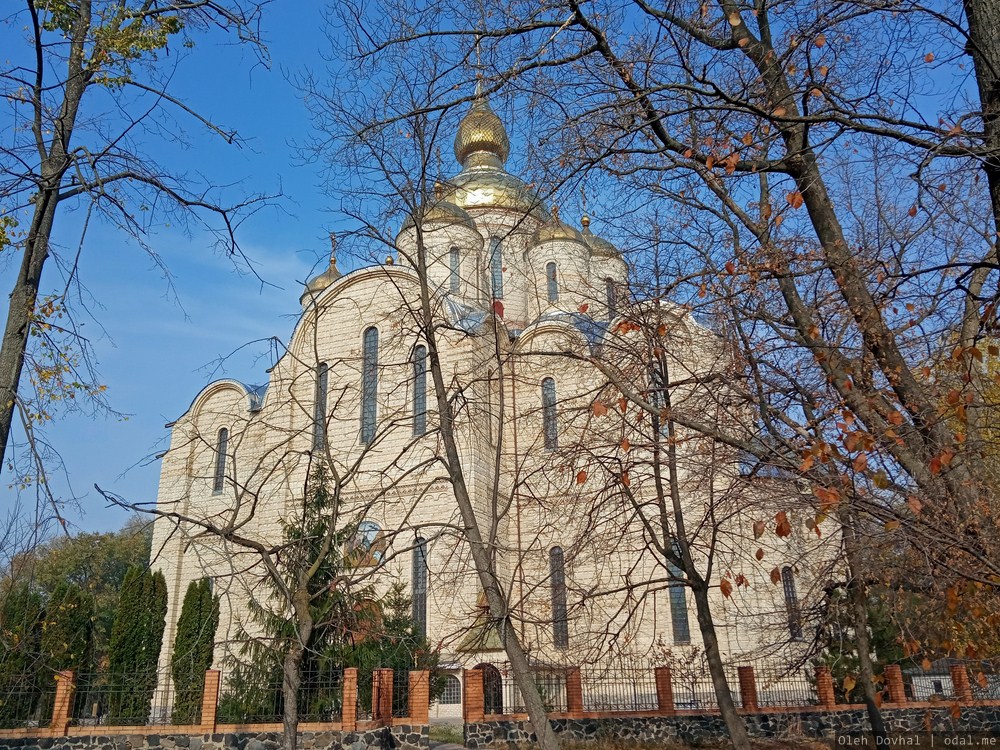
(741, 580)
(820, 40)
(782, 527)
(913, 211)
(730, 267)
(823, 70)
(710, 161)
(775, 576)
(929, 57)
(759, 554)
(623, 404)
(599, 409)
(584, 307)
(794, 199)
(860, 462)
(498, 308)
(581, 477)
(758, 529)
(626, 445)
(625, 480)
(849, 683)
(915, 504)
(727, 587)
(891, 525)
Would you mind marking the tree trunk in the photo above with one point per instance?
(292, 668)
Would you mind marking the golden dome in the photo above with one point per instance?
(556, 230)
(598, 245)
(482, 139)
(437, 210)
(318, 283)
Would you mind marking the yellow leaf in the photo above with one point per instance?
(891, 525)
(849, 683)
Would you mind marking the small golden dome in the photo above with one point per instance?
(439, 211)
(482, 139)
(318, 283)
(556, 230)
(598, 245)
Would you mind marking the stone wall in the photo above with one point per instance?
(695, 728)
(397, 738)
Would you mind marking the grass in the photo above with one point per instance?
(447, 733)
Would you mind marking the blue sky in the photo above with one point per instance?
(161, 340)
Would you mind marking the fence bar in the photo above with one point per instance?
(824, 687)
(748, 688)
(210, 701)
(894, 676)
(664, 691)
(472, 696)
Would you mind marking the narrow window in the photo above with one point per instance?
(551, 283)
(560, 622)
(420, 586)
(369, 384)
(419, 390)
(791, 603)
(678, 601)
(455, 279)
(549, 426)
(319, 408)
(611, 297)
(221, 446)
(496, 267)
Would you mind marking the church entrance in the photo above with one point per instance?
(492, 689)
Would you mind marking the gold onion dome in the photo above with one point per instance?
(318, 283)
(482, 139)
(555, 229)
(598, 245)
(437, 210)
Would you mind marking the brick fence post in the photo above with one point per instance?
(960, 683)
(574, 692)
(894, 677)
(382, 696)
(63, 704)
(349, 708)
(664, 690)
(210, 701)
(748, 688)
(420, 697)
(472, 696)
(824, 687)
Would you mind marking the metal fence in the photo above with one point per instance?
(26, 700)
(619, 690)
(257, 698)
(785, 687)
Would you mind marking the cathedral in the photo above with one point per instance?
(544, 354)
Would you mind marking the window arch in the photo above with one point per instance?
(557, 575)
(419, 390)
(611, 297)
(551, 282)
(679, 624)
(419, 583)
(455, 266)
(549, 427)
(452, 693)
(319, 406)
(369, 384)
(791, 603)
(496, 267)
(221, 448)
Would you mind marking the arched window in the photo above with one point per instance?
(221, 447)
(452, 693)
(549, 427)
(678, 601)
(791, 603)
(455, 278)
(551, 282)
(496, 267)
(420, 586)
(369, 384)
(557, 574)
(419, 390)
(611, 297)
(319, 406)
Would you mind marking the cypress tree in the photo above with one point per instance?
(136, 637)
(193, 646)
(20, 669)
(68, 629)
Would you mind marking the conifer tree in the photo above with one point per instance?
(20, 673)
(136, 637)
(68, 629)
(193, 646)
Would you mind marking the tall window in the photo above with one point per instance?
(678, 602)
(319, 406)
(496, 267)
(549, 427)
(455, 278)
(369, 384)
(419, 390)
(611, 297)
(420, 586)
(560, 622)
(221, 447)
(791, 603)
(551, 283)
